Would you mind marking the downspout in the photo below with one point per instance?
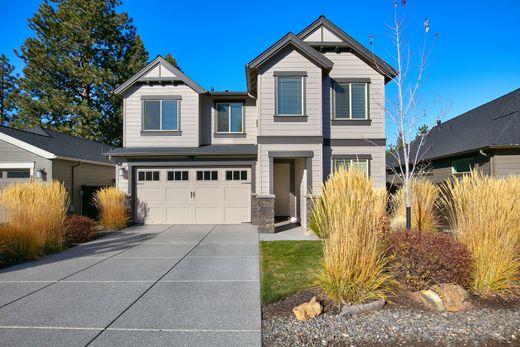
(72, 184)
(491, 164)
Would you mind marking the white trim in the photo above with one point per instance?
(26, 146)
(85, 161)
(10, 165)
(229, 103)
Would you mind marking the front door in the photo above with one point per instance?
(282, 179)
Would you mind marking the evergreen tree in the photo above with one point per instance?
(170, 59)
(8, 90)
(423, 130)
(80, 52)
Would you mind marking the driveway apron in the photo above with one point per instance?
(178, 285)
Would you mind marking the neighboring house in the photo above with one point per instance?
(314, 101)
(486, 138)
(46, 155)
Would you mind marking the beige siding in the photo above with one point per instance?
(122, 181)
(377, 164)
(347, 65)
(506, 165)
(13, 154)
(189, 117)
(263, 169)
(290, 60)
(208, 114)
(84, 174)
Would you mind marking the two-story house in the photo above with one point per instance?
(314, 101)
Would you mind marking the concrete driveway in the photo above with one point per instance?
(180, 285)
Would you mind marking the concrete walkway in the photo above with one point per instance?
(182, 285)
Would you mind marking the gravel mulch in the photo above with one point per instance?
(393, 325)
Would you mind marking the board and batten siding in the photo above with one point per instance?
(347, 65)
(263, 170)
(188, 120)
(289, 60)
(377, 163)
(506, 165)
(10, 153)
(208, 121)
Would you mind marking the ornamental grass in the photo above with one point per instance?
(111, 204)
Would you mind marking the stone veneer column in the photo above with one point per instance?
(254, 212)
(265, 213)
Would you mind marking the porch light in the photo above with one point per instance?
(40, 173)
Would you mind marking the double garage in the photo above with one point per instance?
(188, 195)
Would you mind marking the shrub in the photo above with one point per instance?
(77, 229)
(111, 204)
(422, 259)
(424, 195)
(349, 217)
(33, 213)
(485, 214)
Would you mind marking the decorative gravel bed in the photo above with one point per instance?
(395, 325)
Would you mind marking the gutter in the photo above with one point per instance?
(72, 183)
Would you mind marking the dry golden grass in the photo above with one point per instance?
(349, 215)
(33, 213)
(424, 197)
(111, 204)
(485, 214)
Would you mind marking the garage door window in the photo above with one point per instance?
(15, 173)
(207, 175)
(148, 176)
(236, 175)
(178, 175)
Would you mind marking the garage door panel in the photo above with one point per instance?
(177, 195)
(207, 215)
(234, 215)
(207, 195)
(236, 195)
(150, 195)
(178, 214)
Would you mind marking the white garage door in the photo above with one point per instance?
(193, 195)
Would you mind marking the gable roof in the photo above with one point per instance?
(288, 40)
(348, 41)
(493, 124)
(50, 144)
(175, 75)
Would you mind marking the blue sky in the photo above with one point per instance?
(476, 57)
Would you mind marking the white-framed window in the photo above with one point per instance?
(464, 165)
(161, 114)
(229, 117)
(290, 95)
(207, 175)
(148, 175)
(358, 164)
(15, 173)
(350, 100)
(236, 175)
(178, 175)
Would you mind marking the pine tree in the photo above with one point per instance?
(8, 90)
(170, 59)
(81, 51)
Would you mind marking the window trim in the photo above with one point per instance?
(241, 102)
(145, 171)
(303, 77)
(351, 158)
(175, 98)
(173, 175)
(350, 83)
(472, 165)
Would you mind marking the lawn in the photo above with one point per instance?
(287, 267)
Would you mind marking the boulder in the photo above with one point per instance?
(362, 308)
(453, 296)
(308, 310)
(430, 299)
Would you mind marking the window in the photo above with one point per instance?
(290, 99)
(230, 117)
(161, 115)
(207, 175)
(178, 175)
(462, 165)
(148, 176)
(236, 175)
(350, 100)
(18, 173)
(357, 164)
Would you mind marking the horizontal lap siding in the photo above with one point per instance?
(505, 165)
(13, 154)
(189, 117)
(290, 60)
(347, 65)
(377, 164)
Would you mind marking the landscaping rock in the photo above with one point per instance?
(368, 307)
(430, 299)
(308, 310)
(453, 296)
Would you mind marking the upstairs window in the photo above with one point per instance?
(463, 165)
(290, 98)
(357, 164)
(350, 100)
(161, 115)
(230, 117)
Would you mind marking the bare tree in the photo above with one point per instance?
(406, 112)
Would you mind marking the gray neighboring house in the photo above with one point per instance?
(486, 138)
(47, 155)
(314, 101)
